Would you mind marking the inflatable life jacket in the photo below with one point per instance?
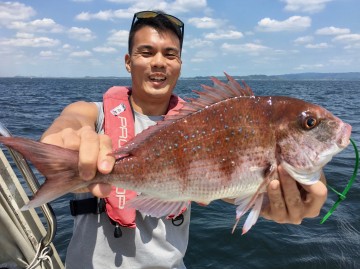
(119, 125)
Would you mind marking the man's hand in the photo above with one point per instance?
(93, 154)
(291, 202)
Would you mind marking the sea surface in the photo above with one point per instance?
(28, 106)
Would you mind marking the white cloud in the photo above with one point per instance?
(5, 50)
(14, 11)
(43, 25)
(294, 23)
(104, 15)
(80, 54)
(332, 31)
(224, 35)
(197, 60)
(203, 55)
(303, 40)
(317, 46)
(29, 40)
(309, 66)
(341, 61)
(46, 54)
(105, 49)
(205, 22)
(123, 14)
(347, 38)
(82, 34)
(198, 43)
(83, 16)
(355, 46)
(206, 54)
(309, 6)
(118, 38)
(251, 48)
(351, 41)
(173, 7)
(122, 1)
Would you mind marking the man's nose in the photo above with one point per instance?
(158, 60)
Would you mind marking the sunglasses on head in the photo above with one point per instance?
(152, 14)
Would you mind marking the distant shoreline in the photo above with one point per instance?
(298, 76)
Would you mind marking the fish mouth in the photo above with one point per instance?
(343, 139)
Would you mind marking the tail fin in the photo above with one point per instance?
(58, 165)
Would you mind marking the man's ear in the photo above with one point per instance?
(127, 62)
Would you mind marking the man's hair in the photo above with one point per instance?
(160, 23)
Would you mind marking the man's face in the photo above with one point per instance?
(154, 64)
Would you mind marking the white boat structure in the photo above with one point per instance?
(24, 241)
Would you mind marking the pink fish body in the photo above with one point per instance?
(225, 144)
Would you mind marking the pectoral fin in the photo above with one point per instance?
(156, 207)
(254, 214)
(252, 201)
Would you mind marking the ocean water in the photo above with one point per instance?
(28, 106)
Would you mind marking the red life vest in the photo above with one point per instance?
(119, 125)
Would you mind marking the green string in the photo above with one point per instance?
(342, 195)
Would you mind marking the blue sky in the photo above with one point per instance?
(75, 38)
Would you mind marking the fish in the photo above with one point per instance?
(226, 143)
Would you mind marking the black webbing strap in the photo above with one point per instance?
(86, 206)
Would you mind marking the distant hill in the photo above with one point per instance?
(300, 76)
(306, 76)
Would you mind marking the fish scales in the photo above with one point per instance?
(200, 161)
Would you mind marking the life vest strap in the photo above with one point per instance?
(92, 205)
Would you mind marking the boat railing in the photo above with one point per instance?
(42, 244)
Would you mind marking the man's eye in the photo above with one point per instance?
(146, 53)
(171, 55)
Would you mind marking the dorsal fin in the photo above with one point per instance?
(209, 96)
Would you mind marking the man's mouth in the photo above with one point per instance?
(157, 78)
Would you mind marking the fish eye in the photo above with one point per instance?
(309, 123)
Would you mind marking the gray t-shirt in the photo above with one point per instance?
(154, 243)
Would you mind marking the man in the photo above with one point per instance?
(154, 61)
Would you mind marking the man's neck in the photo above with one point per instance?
(149, 108)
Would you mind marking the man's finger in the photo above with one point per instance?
(70, 139)
(316, 197)
(100, 190)
(292, 197)
(105, 161)
(88, 153)
(276, 210)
